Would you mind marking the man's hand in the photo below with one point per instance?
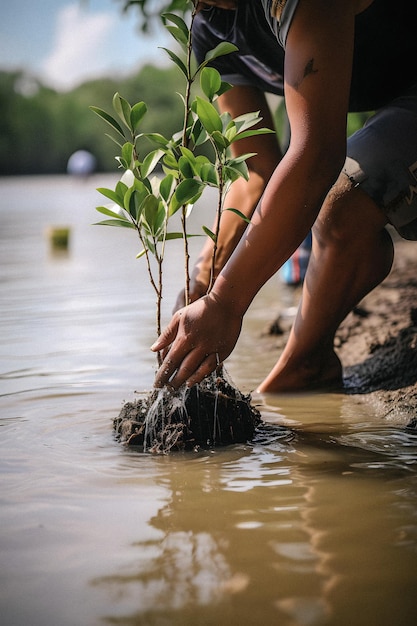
(197, 290)
(195, 342)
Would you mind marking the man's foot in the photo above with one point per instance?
(324, 375)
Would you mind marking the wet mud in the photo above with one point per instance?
(377, 342)
(213, 413)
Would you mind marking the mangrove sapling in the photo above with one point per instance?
(147, 204)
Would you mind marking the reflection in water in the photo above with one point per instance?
(275, 526)
(314, 524)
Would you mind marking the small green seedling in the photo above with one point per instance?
(146, 202)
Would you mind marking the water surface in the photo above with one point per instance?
(313, 524)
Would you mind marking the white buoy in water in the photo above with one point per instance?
(81, 163)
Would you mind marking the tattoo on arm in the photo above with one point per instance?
(309, 69)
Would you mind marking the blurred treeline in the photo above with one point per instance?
(40, 128)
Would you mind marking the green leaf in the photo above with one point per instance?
(141, 253)
(198, 133)
(121, 189)
(202, 137)
(115, 140)
(153, 215)
(160, 221)
(112, 195)
(220, 140)
(150, 245)
(150, 162)
(209, 116)
(201, 160)
(174, 205)
(169, 172)
(252, 133)
(167, 186)
(127, 153)
(121, 223)
(188, 153)
(123, 109)
(158, 138)
(223, 48)
(170, 161)
(225, 86)
(106, 211)
(109, 119)
(131, 203)
(177, 34)
(178, 21)
(186, 168)
(247, 120)
(241, 158)
(231, 132)
(210, 233)
(189, 191)
(170, 236)
(137, 114)
(135, 197)
(178, 62)
(239, 171)
(240, 214)
(208, 174)
(122, 163)
(210, 82)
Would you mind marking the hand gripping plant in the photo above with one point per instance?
(146, 203)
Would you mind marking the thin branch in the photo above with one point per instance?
(185, 142)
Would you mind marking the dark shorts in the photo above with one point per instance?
(382, 160)
(381, 157)
(259, 61)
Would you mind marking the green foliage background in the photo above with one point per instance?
(40, 128)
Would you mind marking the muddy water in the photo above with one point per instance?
(313, 524)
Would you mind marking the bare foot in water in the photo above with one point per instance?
(324, 373)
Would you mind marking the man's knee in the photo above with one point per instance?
(347, 212)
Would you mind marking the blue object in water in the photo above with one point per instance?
(294, 270)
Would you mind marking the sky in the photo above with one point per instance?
(65, 42)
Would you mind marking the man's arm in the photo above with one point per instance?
(317, 81)
(318, 66)
(243, 195)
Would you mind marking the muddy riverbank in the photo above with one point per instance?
(377, 342)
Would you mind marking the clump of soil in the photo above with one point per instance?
(213, 413)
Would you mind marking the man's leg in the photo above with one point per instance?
(351, 254)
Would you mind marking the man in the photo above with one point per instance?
(339, 56)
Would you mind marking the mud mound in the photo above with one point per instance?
(213, 413)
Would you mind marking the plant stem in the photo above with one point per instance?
(156, 287)
(185, 142)
(159, 306)
(218, 219)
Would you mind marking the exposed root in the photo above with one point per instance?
(213, 413)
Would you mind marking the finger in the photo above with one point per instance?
(192, 371)
(165, 372)
(186, 367)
